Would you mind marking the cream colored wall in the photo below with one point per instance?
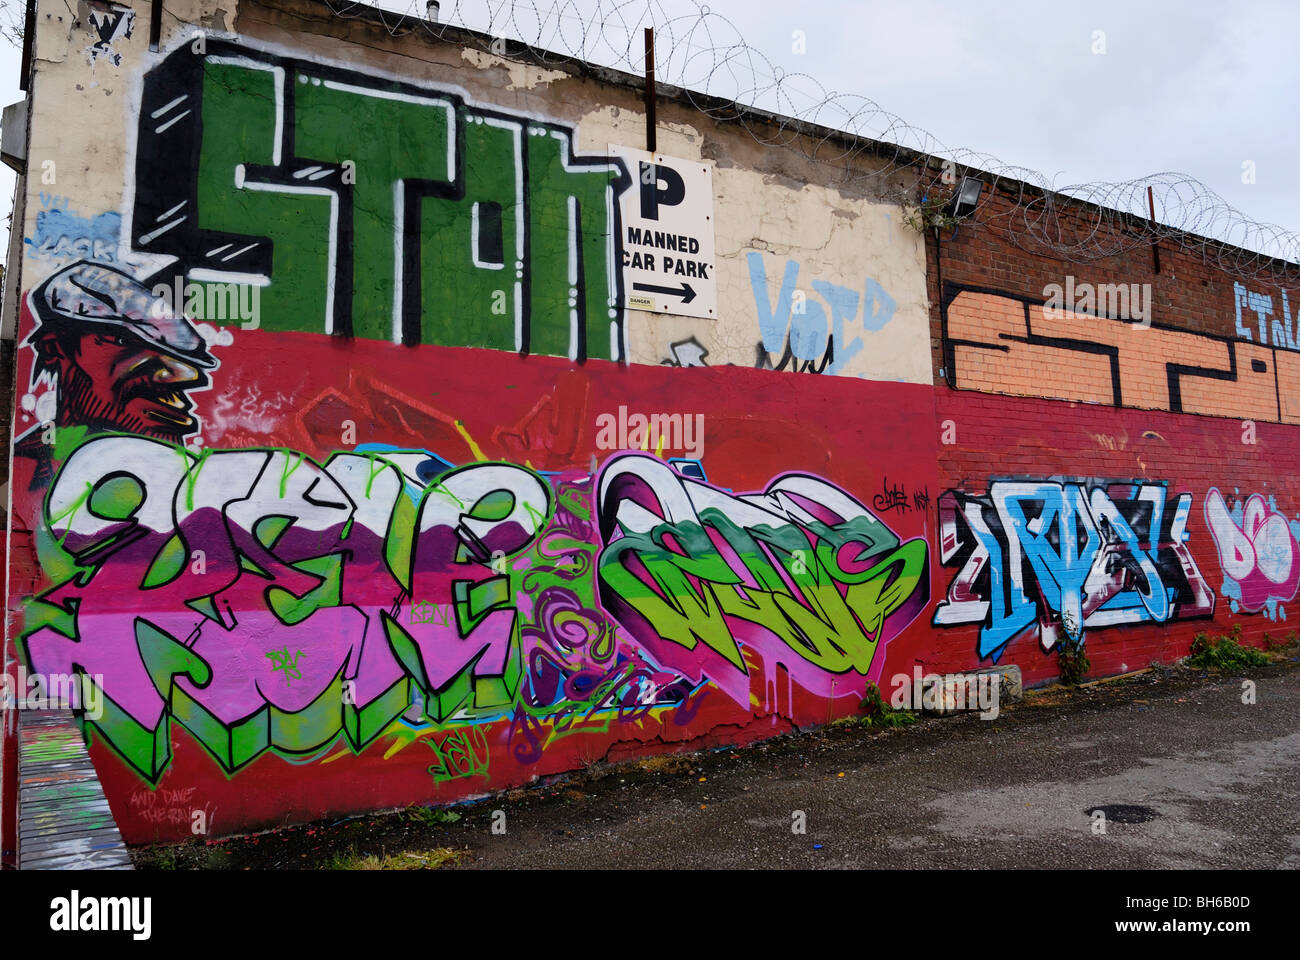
(833, 238)
(76, 148)
(84, 113)
(767, 201)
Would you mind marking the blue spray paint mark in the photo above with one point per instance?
(63, 234)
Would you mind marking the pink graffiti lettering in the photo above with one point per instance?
(1257, 551)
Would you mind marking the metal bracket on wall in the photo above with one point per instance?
(13, 136)
(155, 24)
(1155, 246)
(650, 89)
(29, 40)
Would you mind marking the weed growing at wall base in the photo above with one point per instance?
(1072, 661)
(1224, 652)
(876, 712)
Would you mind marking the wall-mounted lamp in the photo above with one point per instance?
(967, 197)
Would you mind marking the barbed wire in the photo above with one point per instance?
(725, 78)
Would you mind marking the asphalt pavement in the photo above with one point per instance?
(1184, 774)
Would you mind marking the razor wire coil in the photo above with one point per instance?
(725, 78)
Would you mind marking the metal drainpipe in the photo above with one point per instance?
(938, 274)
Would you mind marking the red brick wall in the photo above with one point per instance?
(1193, 292)
(992, 340)
(1013, 437)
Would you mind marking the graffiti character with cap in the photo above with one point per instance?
(120, 358)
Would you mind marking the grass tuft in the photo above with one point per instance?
(353, 859)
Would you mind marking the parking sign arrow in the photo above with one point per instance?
(684, 291)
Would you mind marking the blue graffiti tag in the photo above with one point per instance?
(1067, 555)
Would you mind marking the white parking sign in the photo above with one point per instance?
(667, 241)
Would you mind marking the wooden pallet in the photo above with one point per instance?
(64, 822)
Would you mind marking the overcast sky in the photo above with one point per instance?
(1196, 87)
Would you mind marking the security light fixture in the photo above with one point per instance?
(967, 197)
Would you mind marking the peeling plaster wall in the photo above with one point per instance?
(770, 202)
(764, 208)
(80, 141)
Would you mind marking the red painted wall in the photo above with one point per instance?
(880, 443)
(1000, 436)
(464, 405)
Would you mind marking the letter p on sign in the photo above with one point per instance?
(660, 186)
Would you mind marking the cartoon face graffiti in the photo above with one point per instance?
(122, 359)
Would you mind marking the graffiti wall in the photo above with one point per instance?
(1099, 555)
(263, 601)
(346, 474)
(474, 201)
(375, 208)
(1258, 552)
(1117, 452)
(484, 583)
(1123, 532)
